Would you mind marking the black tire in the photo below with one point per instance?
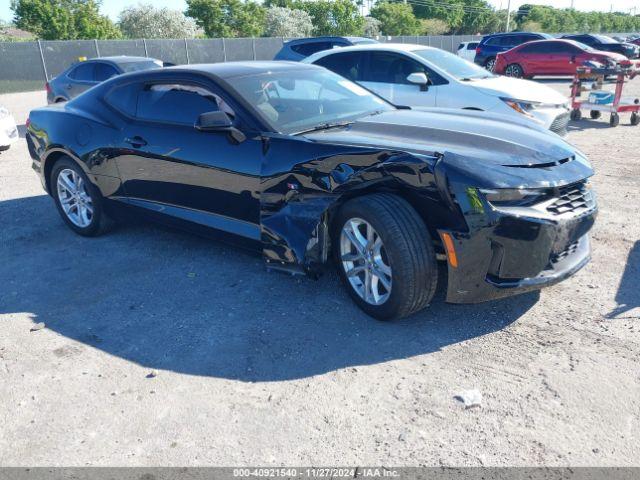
(576, 114)
(100, 222)
(614, 120)
(490, 64)
(635, 119)
(408, 248)
(595, 114)
(514, 70)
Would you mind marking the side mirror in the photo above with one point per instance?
(213, 122)
(419, 78)
(219, 122)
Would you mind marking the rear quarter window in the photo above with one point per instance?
(124, 98)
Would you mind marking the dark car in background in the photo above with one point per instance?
(551, 57)
(606, 44)
(309, 167)
(300, 48)
(83, 75)
(491, 45)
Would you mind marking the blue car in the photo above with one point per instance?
(300, 48)
(491, 45)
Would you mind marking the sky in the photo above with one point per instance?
(113, 7)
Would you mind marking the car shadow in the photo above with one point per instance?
(599, 124)
(168, 300)
(627, 296)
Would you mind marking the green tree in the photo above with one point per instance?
(227, 18)
(433, 26)
(396, 18)
(333, 17)
(63, 19)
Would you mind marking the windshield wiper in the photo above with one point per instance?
(325, 126)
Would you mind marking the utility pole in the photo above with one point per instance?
(508, 15)
(571, 4)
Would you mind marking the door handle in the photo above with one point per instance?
(136, 141)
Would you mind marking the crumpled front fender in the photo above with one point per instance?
(297, 200)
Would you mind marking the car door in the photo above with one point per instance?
(169, 167)
(386, 74)
(79, 79)
(533, 58)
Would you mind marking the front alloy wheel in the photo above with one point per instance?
(74, 199)
(364, 260)
(384, 255)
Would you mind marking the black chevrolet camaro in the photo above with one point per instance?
(307, 167)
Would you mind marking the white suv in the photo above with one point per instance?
(418, 76)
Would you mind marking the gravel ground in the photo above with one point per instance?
(160, 348)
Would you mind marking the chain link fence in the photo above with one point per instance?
(26, 66)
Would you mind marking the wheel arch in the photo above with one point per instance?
(52, 157)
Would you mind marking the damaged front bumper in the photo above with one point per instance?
(513, 251)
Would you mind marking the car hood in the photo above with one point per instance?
(518, 89)
(494, 152)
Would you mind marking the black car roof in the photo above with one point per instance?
(238, 69)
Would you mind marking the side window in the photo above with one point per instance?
(561, 47)
(530, 49)
(348, 64)
(104, 71)
(472, 46)
(173, 103)
(388, 67)
(509, 41)
(310, 48)
(83, 72)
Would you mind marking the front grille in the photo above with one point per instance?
(574, 198)
(560, 124)
(569, 250)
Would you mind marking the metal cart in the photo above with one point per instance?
(622, 73)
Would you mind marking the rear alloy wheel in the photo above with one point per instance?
(490, 64)
(384, 255)
(514, 70)
(78, 200)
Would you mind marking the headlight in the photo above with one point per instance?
(521, 106)
(512, 197)
(4, 113)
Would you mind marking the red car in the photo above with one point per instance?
(550, 57)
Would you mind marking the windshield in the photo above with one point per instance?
(453, 65)
(298, 100)
(138, 66)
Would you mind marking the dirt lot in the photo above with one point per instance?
(160, 348)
